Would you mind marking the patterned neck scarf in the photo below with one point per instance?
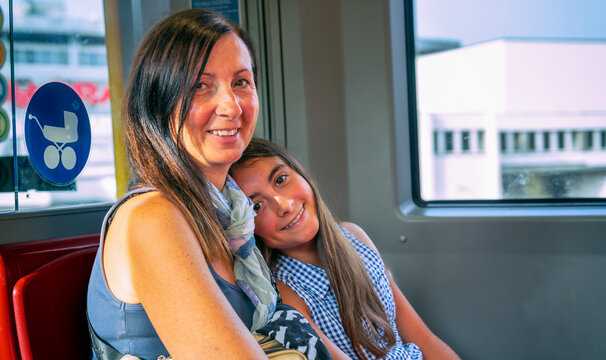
(252, 275)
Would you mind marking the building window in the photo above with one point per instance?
(530, 141)
(480, 140)
(41, 56)
(435, 141)
(92, 59)
(577, 140)
(561, 140)
(582, 140)
(587, 140)
(546, 141)
(503, 141)
(448, 141)
(518, 142)
(465, 141)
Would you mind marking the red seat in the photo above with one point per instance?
(49, 306)
(18, 260)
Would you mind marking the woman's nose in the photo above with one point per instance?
(227, 103)
(284, 204)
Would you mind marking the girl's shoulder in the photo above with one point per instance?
(359, 234)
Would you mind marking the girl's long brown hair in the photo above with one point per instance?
(165, 72)
(359, 305)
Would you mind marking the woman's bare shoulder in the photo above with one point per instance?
(149, 206)
(151, 213)
(143, 227)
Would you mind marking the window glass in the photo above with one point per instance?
(513, 93)
(56, 41)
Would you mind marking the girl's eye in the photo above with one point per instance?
(256, 207)
(281, 179)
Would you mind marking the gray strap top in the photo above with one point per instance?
(126, 326)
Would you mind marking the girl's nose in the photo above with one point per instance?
(227, 103)
(284, 204)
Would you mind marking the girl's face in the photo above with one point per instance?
(223, 113)
(284, 202)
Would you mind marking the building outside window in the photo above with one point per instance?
(535, 91)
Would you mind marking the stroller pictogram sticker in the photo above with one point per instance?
(57, 133)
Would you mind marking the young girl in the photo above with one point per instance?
(332, 273)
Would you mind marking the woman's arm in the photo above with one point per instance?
(167, 273)
(290, 297)
(410, 325)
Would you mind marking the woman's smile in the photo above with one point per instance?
(224, 133)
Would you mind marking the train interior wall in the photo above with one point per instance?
(493, 287)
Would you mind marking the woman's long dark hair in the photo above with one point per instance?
(359, 305)
(165, 72)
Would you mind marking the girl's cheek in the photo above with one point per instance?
(261, 225)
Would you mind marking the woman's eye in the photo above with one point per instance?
(202, 86)
(241, 83)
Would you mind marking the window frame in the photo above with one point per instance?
(22, 225)
(30, 225)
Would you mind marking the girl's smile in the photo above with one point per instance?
(296, 220)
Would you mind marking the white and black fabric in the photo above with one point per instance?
(292, 330)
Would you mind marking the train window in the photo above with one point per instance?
(54, 41)
(513, 94)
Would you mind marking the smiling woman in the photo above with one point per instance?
(190, 110)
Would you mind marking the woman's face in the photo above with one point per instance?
(223, 113)
(284, 202)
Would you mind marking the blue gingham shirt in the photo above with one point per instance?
(312, 285)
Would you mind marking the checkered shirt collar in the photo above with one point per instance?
(309, 276)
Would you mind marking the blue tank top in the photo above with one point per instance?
(126, 326)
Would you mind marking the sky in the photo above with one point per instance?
(472, 21)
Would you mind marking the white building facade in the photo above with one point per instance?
(513, 119)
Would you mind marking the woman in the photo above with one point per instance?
(165, 280)
(332, 273)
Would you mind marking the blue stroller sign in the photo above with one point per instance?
(57, 133)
